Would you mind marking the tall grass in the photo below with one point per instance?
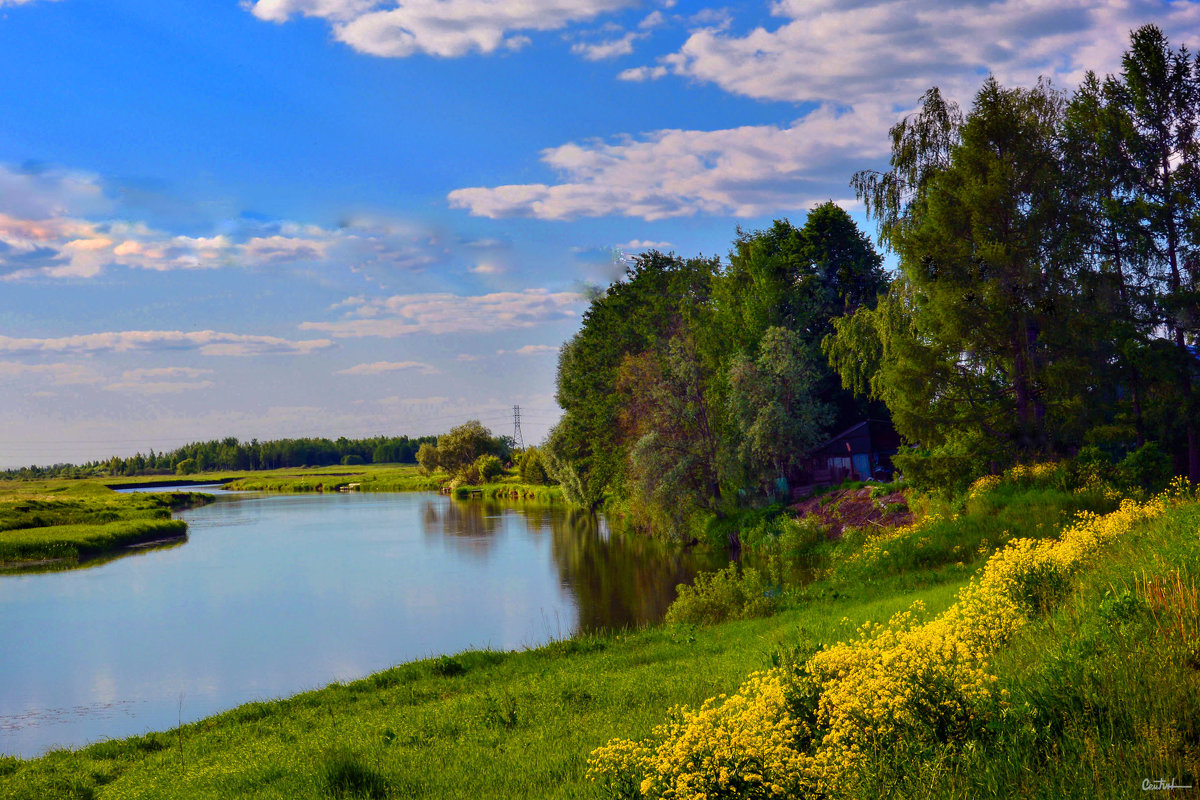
(81, 541)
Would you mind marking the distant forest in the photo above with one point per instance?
(230, 454)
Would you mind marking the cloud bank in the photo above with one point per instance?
(208, 343)
(446, 28)
(442, 313)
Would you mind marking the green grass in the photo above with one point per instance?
(511, 490)
(966, 533)
(81, 541)
(371, 478)
(67, 521)
(1097, 696)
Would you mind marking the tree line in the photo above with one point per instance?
(1046, 300)
(233, 455)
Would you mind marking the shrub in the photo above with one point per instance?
(722, 595)
(945, 475)
(1147, 468)
(351, 460)
(532, 468)
(186, 467)
(488, 467)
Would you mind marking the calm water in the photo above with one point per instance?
(272, 595)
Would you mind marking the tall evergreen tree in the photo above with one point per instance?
(1159, 92)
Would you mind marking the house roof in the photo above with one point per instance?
(868, 429)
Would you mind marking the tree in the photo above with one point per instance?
(465, 443)
(666, 417)
(532, 467)
(489, 467)
(585, 451)
(428, 458)
(800, 279)
(1159, 92)
(776, 416)
(977, 330)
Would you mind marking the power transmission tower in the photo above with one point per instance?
(518, 442)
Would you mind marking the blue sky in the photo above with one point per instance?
(353, 217)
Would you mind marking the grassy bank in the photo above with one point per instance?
(547, 495)
(372, 478)
(1094, 687)
(65, 522)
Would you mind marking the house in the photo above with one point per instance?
(861, 452)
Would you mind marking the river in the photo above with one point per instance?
(275, 594)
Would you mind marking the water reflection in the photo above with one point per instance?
(618, 579)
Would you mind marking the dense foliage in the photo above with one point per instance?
(694, 386)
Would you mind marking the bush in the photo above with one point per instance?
(532, 468)
(488, 467)
(721, 595)
(186, 467)
(351, 460)
(1147, 468)
(945, 475)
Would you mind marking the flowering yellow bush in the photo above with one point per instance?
(1032, 473)
(982, 486)
(907, 678)
(742, 746)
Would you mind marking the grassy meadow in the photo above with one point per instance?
(62, 523)
(999, 646)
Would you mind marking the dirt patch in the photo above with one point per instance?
(855, 508)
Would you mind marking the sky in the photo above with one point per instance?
(282, 218)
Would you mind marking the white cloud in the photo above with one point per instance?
(380, 367)
(158, 387)
(613, 48)
(745, 171)
(856, 51)
(209, 343)
(641, 245)
(861, 65)
(652, 20)
(531, 350)
(164, 372)
(445, 28)
(487, 268)
(639, 74)
(439, 313)
(59, 374)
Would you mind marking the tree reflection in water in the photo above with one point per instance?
(619, 579)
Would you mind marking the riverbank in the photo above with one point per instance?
(62, 524)
(1101, 686)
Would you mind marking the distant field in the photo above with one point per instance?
(370, 478)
